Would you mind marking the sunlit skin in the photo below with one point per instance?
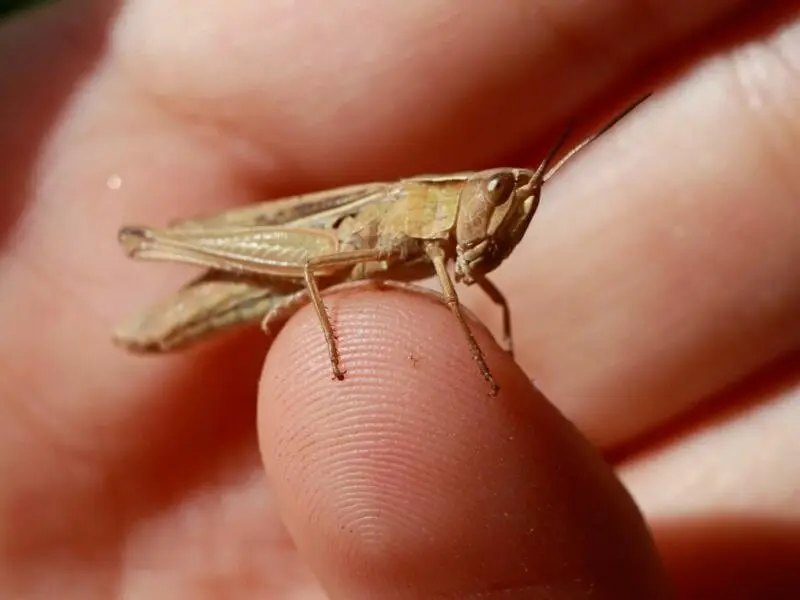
(654, 297)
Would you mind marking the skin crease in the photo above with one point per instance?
(654, 302)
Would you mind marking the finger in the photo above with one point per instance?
(720, 491)
(664, 260)
(348, 90)
(408, 480)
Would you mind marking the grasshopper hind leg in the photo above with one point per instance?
(342, 261)
(325, 321)
(273, 320)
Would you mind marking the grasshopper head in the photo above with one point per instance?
(495, 209)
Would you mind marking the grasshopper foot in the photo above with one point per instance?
(337, 372)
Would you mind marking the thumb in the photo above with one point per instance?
(406, 480)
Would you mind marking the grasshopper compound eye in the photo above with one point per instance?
(500, 187)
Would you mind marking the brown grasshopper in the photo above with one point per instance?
(266, 259)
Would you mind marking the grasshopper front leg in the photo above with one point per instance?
(438, 257)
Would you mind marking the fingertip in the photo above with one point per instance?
(408, 478)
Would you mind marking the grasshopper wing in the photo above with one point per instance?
(272, 251)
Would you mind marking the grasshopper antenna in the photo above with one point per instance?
(588, 140)
(539, 176)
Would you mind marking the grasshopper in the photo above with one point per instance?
(266, 260)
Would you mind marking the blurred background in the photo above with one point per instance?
(8, 7)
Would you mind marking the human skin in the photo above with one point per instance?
(654, 302)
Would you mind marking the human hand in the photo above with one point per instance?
(658, 273)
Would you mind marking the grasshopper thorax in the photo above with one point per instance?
(494, 211)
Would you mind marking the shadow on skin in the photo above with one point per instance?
(732, 557)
